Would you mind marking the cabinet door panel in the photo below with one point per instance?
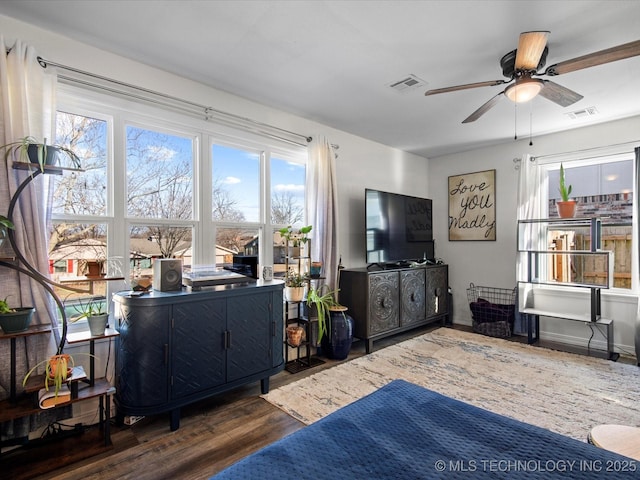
(412, 290)
(437, 291)
(143, 372)
(277, 319)
(198, 346)
(250, 349)
(383, 302)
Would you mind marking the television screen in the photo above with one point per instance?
(398, 228)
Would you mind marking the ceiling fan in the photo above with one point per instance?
(523, 64)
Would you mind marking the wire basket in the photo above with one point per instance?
(492, 310)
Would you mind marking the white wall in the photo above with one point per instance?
(493, 263)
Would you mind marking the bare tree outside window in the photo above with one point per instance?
(285, 210)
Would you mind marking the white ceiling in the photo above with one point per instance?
(333, 61)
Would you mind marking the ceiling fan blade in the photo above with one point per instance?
(608, 55)
(530, 48)
(559, 94)
(465, 87)
(483, 109)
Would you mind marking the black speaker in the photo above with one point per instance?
(167, 274)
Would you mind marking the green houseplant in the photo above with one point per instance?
(29, 150)
(566, 206)
(5, 226)
(319, 301)
(295, 237)
(335, 327)
(58, 369)
(294, 285)
(94, 310)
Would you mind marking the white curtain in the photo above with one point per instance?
(26, 102)
(529, 207)
(636, 229)
(322, 208)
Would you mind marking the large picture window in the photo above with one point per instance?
(156, 184)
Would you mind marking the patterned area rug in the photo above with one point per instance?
(562, 392)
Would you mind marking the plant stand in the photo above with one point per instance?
(82, 387)
(303, 359)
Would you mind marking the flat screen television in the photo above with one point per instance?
(398, 228)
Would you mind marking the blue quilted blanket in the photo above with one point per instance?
(403, 431)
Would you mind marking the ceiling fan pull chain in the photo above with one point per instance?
(515, 121)
(531, 123)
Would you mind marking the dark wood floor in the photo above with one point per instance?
(213, 434)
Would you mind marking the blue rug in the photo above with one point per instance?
(404, 431)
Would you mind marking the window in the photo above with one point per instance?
(157, 184)
(603, 188)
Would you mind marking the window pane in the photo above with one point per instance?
(81, 193)
(75, 248)
(149, 242)
(602, 190)
(287, 192)
(159, 175)
(236, 185)
(235, 241)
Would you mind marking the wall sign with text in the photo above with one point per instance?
(472, 206)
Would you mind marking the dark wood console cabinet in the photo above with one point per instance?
(389, 301)
(179, 347)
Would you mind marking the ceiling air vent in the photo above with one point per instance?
(585, 112)
(407, 84)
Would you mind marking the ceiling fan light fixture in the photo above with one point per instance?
(524, 89)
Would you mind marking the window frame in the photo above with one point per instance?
(119, 113)
(580, 159)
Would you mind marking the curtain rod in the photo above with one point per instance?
(631, 144)
(204, 110)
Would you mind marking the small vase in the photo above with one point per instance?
(315, 269)
(566, 209)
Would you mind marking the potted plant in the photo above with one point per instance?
(295, 238)
(294, 285)
(58, 370)
(16, 319)
(29, 150)
(5, 226)
(335, 327)
(566, 206)
(94, 311)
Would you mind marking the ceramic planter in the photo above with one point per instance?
(294, 294)
(17, 321)
(97, 324)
